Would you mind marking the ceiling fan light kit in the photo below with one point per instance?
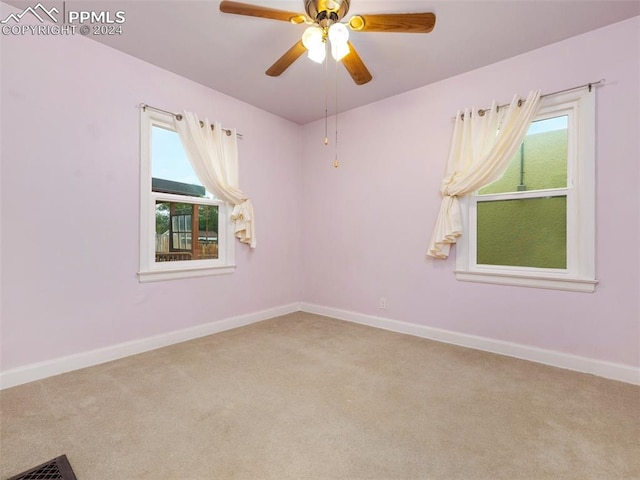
(324, 18)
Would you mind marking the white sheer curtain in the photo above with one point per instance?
(481, 148)
(214, 157)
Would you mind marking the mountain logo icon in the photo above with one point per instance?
(38, 11)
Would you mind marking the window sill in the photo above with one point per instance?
(532, 281)
(174, 274)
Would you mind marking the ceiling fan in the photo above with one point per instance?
(323, 18)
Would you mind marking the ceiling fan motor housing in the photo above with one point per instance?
(328, 11)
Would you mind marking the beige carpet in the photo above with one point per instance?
(308, 397)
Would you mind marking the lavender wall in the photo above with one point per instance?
(69, 205)
(366, 224)
(70, 182)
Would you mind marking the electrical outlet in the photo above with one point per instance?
(383, 303)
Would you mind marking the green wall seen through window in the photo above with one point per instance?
(528, 232)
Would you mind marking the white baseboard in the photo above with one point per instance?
(613, 371)
(37, 371)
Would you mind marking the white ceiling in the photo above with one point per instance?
(230, 53)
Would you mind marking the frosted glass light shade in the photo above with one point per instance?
(313, 41)
(339, 50)
(317, 54)
(339, 37)
(312, 38)
(338, 33)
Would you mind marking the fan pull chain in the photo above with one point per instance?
(335, 162)
(326, 101)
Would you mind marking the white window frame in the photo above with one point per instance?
(579, 276)
(149, 269)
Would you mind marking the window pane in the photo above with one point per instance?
(171, 170)
(208, 232)
(527, 233)
(162, 226)
(174, 237)
(541, 161)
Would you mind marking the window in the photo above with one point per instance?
(535, 225)
(184, 230)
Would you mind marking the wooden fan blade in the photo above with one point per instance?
(356, 67)
(238, 8)
(394, 22)
(286, 60)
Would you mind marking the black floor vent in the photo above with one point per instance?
(56, 469)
